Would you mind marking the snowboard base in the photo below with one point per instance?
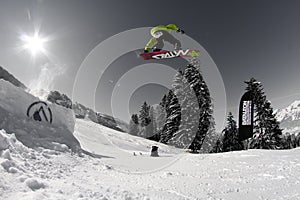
(164, 54)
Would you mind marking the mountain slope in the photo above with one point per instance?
(5, 75)
(289, 117)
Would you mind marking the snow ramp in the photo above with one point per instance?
(35, 123)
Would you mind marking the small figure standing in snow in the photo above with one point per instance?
(154, 151)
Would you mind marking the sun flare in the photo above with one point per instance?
(35, 44)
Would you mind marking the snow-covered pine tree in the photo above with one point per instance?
(230, 139)
(169, 98)
(210, 138)
(172, 117)
(294, 141)
(287, 141)
(134, 125)
(273, 136)
(298, 140)
(189, 112)
(153, 116)
(163, 101)
(218, 147)
(144, 116)
(197, 83)
(155, 111)
(267, 134)
(150, 128)
(144, 119)
(161, 116)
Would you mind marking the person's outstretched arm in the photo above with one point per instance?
(172, 27)
(175, 28)
(150, 44)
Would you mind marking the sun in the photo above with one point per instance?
(35, 43)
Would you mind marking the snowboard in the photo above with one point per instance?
(164, 54)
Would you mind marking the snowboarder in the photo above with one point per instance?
(160, 34)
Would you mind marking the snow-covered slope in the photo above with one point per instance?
(121, 147)
(49, 174)
(289, 117)
(5, 75)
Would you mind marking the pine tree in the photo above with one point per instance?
(298, 140)
(161, 117)
(294, 141)
(134, 125)
(150, 128)
(172, 117)
(218, 147)
(144, 115)
(202, 93)
(188, 109)
(210, 139)
(230, 139)
(267, 133)
(189, 112)
(163, 101)
(287, 141)
(153, 118)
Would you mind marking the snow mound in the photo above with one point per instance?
(35, 123)
(4, 141)
(34, 184)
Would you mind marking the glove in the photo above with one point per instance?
(180, 31)
(146, 51)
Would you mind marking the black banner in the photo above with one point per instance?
(246, 116)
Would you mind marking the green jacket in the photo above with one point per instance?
(167, 28)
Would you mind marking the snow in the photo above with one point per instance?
(117, 174)
(121, 146)
(109, 169)
(34, 184)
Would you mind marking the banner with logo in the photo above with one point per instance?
(246, 116)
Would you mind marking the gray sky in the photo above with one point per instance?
(257, 38)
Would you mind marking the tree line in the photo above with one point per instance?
(184, 118)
